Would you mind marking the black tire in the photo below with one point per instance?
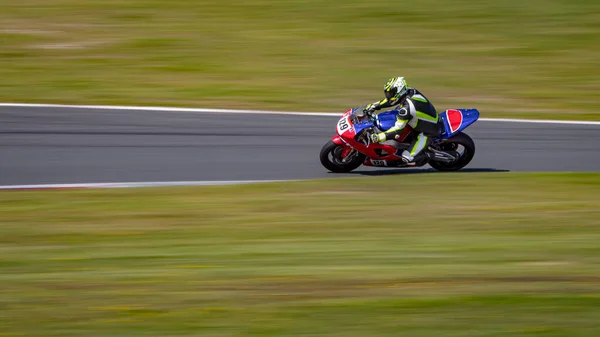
(465, 157)
(336, 166)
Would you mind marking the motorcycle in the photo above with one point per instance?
(352, 147)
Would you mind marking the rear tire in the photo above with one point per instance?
(334, 163)
(465, 157)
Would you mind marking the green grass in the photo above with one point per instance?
(421, 255)
(511, 58)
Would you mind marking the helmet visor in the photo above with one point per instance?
(390, 93)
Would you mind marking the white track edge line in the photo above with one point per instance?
(234, 111)
(138, 184)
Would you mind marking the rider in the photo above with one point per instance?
(415, 110)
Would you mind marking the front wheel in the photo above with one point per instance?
(462, 146)
(332, 158)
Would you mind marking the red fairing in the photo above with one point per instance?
(337, 140)
(407, 130)
(345, 137)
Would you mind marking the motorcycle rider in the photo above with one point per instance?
(415, 110)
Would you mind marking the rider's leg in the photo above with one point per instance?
(420, 143)
(428, 132)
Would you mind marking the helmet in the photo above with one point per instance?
(395, 87)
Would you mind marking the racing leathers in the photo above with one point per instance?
(418, 112)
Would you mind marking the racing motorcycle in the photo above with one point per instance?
(352, 147)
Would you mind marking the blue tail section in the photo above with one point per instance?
(456, 120)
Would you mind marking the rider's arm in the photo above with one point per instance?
(405, 114)
(402, 118)
(384, 103)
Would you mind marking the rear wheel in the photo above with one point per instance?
(333, 158)
(462, 146)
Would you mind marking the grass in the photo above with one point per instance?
(429, 255)
(512, 58)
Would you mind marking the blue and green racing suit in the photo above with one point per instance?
(418, 112)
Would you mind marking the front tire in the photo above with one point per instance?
(465, 156)
(331, 159)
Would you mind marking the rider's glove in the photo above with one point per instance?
(378, 137)
(371, 107)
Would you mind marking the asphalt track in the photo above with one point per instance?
(53, 145)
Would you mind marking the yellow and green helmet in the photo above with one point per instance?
(395, 87)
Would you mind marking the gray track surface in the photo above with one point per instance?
(71, 145)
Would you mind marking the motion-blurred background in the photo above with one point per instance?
(386, 254)
(511, 58)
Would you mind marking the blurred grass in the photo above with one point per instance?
(424, 255)
(535, 58)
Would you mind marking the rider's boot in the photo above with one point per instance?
(416, 152)
(419, 160)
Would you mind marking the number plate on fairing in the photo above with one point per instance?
(343, 125)
(378, 162)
